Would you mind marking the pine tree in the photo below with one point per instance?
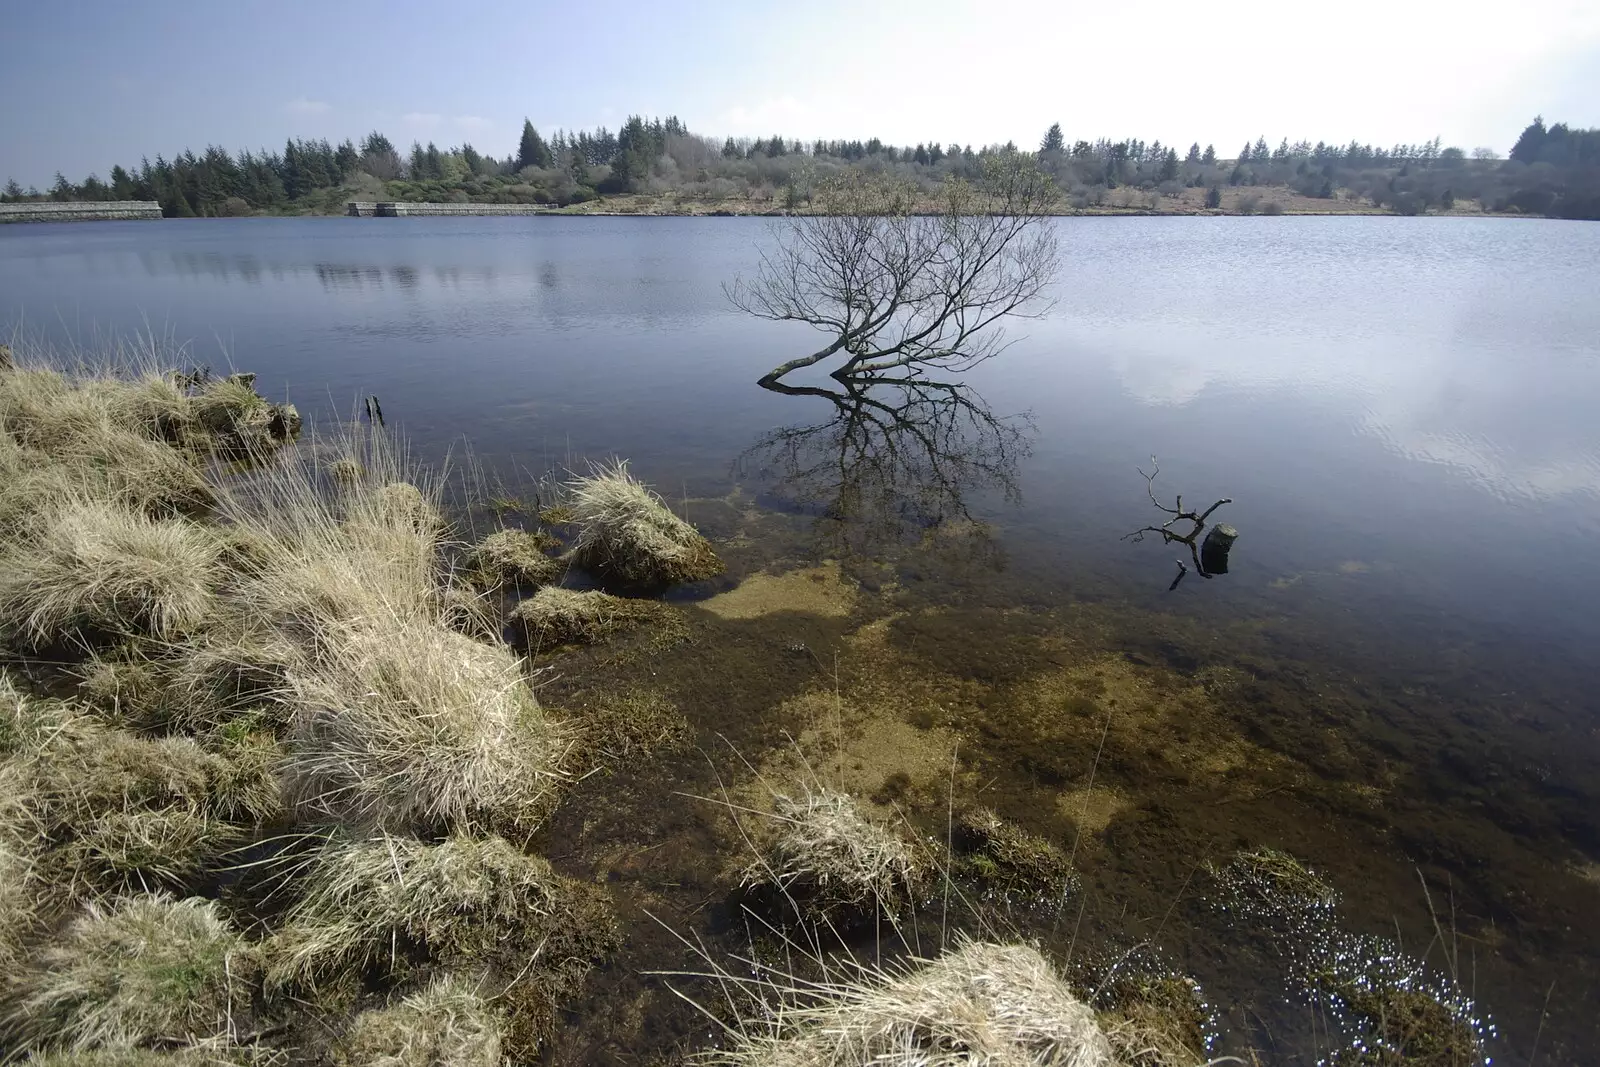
(1053, 140)
(1214, 197)
(1194, 153)
(1261, 153)
(532, 150)
(1528, 146)
(1169, 165)
(1244, 153)
(13, 190)
(121, 184)
(1209, 156)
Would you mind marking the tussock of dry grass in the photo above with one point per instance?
(628, 533)
(827, 855)
(979, 1004)
(100, 565)
(1154, 1020)
(322, 554)
(18, 903)
(140, 971)
(410, 725)
(511, 557)
(224, 671)
(109, 810)
(205, 1054)
(471, 902)
(555, 616)
(447, 1022)
(1003, 853)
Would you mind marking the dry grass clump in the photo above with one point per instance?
(205, 1054)
(409, 725)
(978, 1004)
(1004, 854)
(395, 904)
(323, 554)
(1154, 1020)
(628, 533)
(108, 810)
(99, 565)
(511, 557)
(225, 671)
(18, 903)
(555, 616)
(825, 854)
(141, 971)
(239, 420)
(447, 1022)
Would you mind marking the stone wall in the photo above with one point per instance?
(395, 209)
(84, 211)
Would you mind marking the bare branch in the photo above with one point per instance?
(1189, 538)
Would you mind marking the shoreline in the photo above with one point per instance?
(1275, 201)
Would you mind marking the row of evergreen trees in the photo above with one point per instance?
(1559, 168)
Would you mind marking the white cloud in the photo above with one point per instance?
(421, 118)
(473, 122)
(301, 105)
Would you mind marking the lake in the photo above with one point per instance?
(1402, 412)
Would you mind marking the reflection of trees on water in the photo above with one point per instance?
(896, 463)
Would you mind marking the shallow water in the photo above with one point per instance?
(1393, 678)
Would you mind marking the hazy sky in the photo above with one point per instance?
(85, 84)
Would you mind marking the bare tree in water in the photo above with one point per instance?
(899, 290)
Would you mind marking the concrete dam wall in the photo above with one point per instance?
(396, 209)
(83, 211)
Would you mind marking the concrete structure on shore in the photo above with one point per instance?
(397, 209)
(80, 211)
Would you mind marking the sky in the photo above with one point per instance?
(88, 83)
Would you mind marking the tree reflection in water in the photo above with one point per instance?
(897, 464)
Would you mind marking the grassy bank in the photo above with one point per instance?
(280, 776)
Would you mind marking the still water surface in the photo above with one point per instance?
(1402, 410)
